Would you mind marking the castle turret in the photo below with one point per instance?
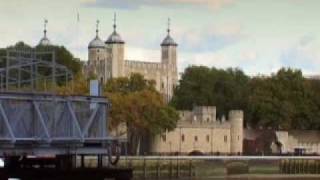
(96, 55)
(115, 48)
(44, 40)
(236, 121)
(169, 49)
(169, 59)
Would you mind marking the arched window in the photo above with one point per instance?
(195, 138)
(208, 138)
(182, 137)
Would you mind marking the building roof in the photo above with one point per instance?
(96, 42)
(168, 40)
(114, 38)
(44, 41)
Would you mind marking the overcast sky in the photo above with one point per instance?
(258, 36)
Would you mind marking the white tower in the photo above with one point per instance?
(115, 49)
(169, 59)
(96, 56)
(236, 121)
(169, 49)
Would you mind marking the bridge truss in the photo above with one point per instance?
(51, 124)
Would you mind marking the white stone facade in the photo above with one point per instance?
(306, 141)
(200, 130)
(106, 60)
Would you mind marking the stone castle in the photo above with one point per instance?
(106, 60)
(201, 131)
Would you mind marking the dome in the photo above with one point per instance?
(96, 43)
(114, 38)
(168, 41)
(44, 42)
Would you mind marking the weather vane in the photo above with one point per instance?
(45, 26)
(114, 21)
(168, 25)
(97, 26)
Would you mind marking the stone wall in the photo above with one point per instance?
(199, 130)
(185, 140)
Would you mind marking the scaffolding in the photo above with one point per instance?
(31, 69)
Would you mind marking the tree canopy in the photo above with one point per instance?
(284, 100)
(63, 55)
(200, 85)
(136, 103)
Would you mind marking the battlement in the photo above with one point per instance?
(204, 109)
(143, 64)
(235, 114)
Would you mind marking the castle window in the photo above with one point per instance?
(208, 138)
(208, 119)
(162, 85)
(196, 138)
(98, 50)
(182, 137)
(225, 139)
(164, 138)
(238, 137)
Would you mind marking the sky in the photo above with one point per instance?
(257, 36)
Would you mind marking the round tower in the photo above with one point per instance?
(96, 55)
(115, 46)
(236, 131)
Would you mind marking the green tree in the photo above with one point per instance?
(286, 100)
(136, 103)
(199, 85)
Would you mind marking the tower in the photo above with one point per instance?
(169, 60)
(115, 49)
(44, 40)
(169, 49)
(96, 56)
(236, 121)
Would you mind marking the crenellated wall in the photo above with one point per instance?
(200, 130)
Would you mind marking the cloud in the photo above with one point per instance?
(303, 55)
(136, 4)
(210, 38)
